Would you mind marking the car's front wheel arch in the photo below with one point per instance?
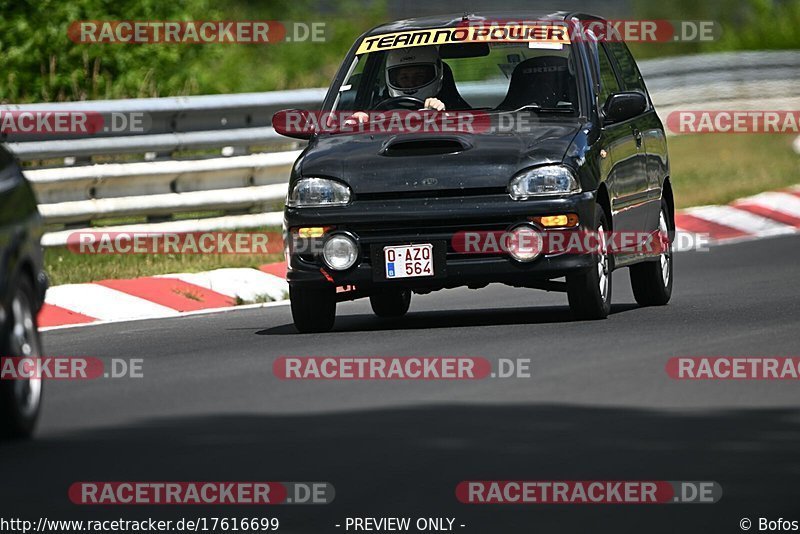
(604, 201)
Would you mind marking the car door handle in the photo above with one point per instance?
(637, 135)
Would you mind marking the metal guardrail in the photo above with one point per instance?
(175, 123)
(765, 80)
(76, 195)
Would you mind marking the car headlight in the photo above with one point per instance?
(318, 192)
(541, 181)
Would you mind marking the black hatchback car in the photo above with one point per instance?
(22, 288)
(562, 140)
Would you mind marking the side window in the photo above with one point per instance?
(348, 90)
(370, 81)
(356, 92)
(608, 81)
(627, 67)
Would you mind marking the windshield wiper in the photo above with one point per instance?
(539, 109)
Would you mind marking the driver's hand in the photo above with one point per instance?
(359, 117)
(434, 103)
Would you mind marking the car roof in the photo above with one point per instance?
(453, 20)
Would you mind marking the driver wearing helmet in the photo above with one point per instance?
(416, 72)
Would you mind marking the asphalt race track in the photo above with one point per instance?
(599, 406)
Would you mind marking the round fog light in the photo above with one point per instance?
(524, 243)
(340, 252)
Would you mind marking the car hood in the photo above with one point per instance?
(386, 163)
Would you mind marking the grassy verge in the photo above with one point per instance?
(716, 169)
(66, 267)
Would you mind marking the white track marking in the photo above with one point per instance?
(104, 303)
(245, 283)
(741, 220)
(178, 314)
(782, 202)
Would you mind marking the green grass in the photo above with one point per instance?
(67, 267)
(719, 168)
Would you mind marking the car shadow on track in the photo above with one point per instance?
(450, 319)
(407, 462)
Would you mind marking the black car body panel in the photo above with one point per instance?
(485, 161)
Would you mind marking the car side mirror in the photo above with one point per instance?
(623, 106)
(295, 123)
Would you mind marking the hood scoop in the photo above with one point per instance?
(424, 146)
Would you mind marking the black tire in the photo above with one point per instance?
(586, 299)
(20, 400)
(392, 303)
(313, 310)
(651, 281)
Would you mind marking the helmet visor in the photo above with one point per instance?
(412, 76)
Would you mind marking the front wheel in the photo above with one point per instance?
(652, 281)
(392, 303)
(20, 400)
(589, 293)
(313, 310)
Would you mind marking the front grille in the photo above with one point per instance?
(393, 234)
(433, 194)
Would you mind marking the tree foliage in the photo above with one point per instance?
(41, 64)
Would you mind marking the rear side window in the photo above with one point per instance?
(627, 67)
(608, 80)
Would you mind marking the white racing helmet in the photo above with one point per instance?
(415, 71)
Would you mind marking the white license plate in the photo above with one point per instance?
(408, 261)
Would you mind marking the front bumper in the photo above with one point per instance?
(413, 220)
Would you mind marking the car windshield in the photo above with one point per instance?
(489, 76)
